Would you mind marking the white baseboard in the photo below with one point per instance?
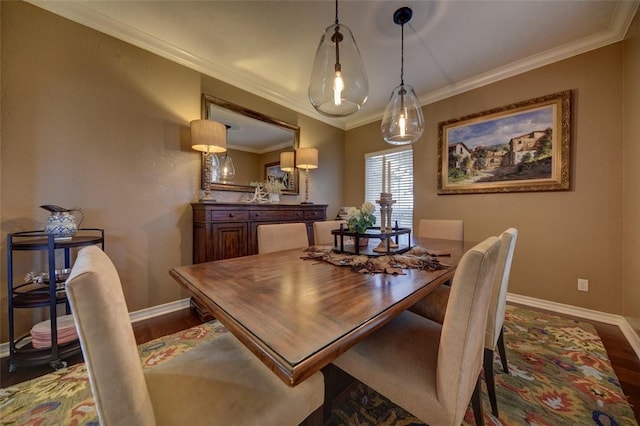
(613, 319)
(136, 316)
(617, 320)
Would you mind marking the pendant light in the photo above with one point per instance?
(402, 123)
(227, 169)
(338, 86)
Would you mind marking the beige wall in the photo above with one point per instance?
(631, 180)
(93, 122)
(563, 235)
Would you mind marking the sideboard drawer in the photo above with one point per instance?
(274, 215)
(314, 214)
(229, 215)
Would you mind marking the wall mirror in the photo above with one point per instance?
(254, 143)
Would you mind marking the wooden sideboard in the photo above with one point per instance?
(226, 230)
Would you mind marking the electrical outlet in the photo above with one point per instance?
(583, 285)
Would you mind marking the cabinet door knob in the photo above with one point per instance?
(257, 214)
(297, 213)
(231, 215)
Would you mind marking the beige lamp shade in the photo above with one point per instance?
(208, 136)
(287, 161)
(307, 158)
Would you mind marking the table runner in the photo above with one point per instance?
(416, 258)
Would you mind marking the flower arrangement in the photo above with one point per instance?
(359, 220)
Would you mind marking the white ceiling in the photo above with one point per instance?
(267, 47)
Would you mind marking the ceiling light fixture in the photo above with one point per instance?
(338, 86)
(403, 123)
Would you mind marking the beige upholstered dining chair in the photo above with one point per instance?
(433, 370)
(219, 382)
(442, 229)
(322, 231)
(434, 307)
(282, 236)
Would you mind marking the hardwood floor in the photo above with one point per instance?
(624, 360)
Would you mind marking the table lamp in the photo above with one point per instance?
(287, 161)
(306, 159)
(209, 137)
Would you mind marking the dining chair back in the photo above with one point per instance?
(435, 307)
(433, 370)
(442, 229)
(218, 382)
(282, 236)
(322, 231)
(494, 336)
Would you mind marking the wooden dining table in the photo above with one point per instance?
(297, 315)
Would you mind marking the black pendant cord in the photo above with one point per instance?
(402, 57)
(337, 38)
(401, 17)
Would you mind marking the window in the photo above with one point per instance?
(401, 160)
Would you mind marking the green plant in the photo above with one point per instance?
(359, 220)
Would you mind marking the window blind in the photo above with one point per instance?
(401, 160)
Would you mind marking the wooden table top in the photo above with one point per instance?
(299, 315)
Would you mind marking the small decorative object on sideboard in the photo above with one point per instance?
(267, 191)
(274, 188)
(61, 223)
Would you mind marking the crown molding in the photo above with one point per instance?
(81, 14)
(77, 12)
(620, 24)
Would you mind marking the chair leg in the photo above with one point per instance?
(476, 403)
(501, 350)
(488, 377)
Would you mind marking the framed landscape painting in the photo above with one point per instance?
(516, 148)
(273, 171)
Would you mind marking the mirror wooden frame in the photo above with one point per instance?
(208, 100)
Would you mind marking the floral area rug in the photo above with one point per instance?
(64, 396)
(560, 375)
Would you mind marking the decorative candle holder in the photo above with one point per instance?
(386, 201)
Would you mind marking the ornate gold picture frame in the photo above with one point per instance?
(515, 148)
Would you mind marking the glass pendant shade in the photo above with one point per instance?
(212, 163)
(227, 170)
(338, 85)
(403, 122)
